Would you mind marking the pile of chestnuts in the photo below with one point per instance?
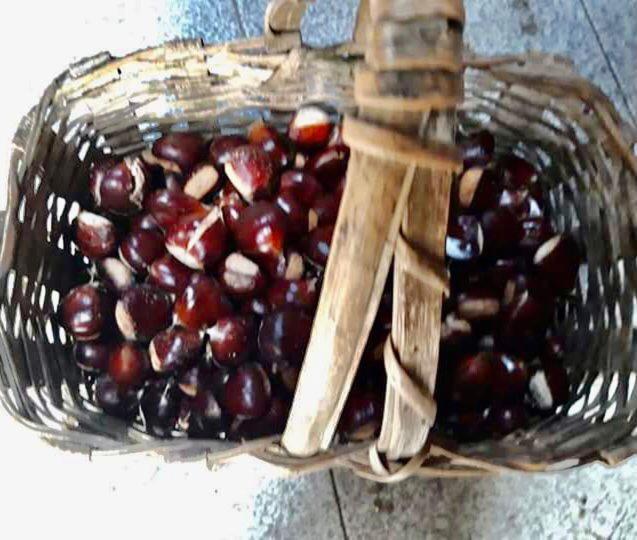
(501, 359)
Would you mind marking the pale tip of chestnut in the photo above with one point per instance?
(151, 159)
(468, 185)
(295, 267)
(546, 249)
(312, 220)
(240, 272)
(93, 221)
(184, 256)
(299, 161)
(125, 322)
(202, 180)
(138, 172)
(310, 115)
(116, 275)
(477, 308)
(453, 325)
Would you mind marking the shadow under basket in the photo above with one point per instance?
(534, 105)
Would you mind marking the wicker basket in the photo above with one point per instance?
(103, 105)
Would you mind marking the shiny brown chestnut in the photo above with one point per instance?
(145, 222)
(175, 349)
(283, 338)
(261, 230)
(317, 244)
(185, 150)
(231, 205)
(510, 377)
(220, 148)
(86, 312)
(557, 261)
(205, 418)
(129, 365)
(198, 240)
(92, 355)
(549, 386)
(95, 235)
(298, 218)
(232, 340)
(168, 206)
(202, 181)
(115, 275)
(329, 165)
(202, 303)
(456, 335)
(326, 210)
(554, 349)
(523, 323)
(267, 137)
(516, 172)
(305, 188)
(272, 423)
(502, 232)
(195, 379)
(114, 400)
(472, 379)
(478, 303)
(140, 249)
(310, 128)
(477, 190)
(288, 265)
(465, 238)
(300, 293)
(251, 171)
(247, 392)
(169, 274)
(240, 276)
(121, 189)
(159, 406)
(362, 415)
(535, 231)
(503, 419)
(142, 312)
(477, 148)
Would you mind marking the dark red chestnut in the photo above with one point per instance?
(128, 365)
(92, 355)
(504, 419)
(305, 188)
(477, 149)
(160, 168)
(469, 425)
(145, 222)
(140, 249)
(300, 293)
(202, 180)
(95, 235)
(98, 171)
(549, 386)
(326, 209)
(329, 165)
(169, 274)
(362, 415)
(472, 379)
(478, 303)
(289, 377)
(121, 189)
(477, 190)
(535, 231)
(502, 231)
(183, 149)
(297, 215)
(159, 406)
(205, 419)
(251, 171)
(195, 379)
(202, 303)
(554, 349)
(142, 312)
(175, 349)
(86, 311)
(456, 335)
(231, 205)
(557, 261)
(198, 240)
(220, 148)
(268, 138)
(310, 128)
(510, 377)
(247, 392)
(232, 340)
(116, 276)
(114, 400)
(501, 271)
(464, 238)
(287, 265)
(317, 244)
(283, 338)
(261, 230)
(516, 172)
(523, 323)
(272, 423)
(168, 206)
(240, 276)
(522, 202)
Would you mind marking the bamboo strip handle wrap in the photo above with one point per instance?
(389, 155)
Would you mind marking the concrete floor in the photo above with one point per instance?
(52, 491)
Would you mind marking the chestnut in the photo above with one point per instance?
(185, 150)
(142, 312)
(268, 138)
(456, 335)
(557, 261)
(554, 349)
(500, 272)
(114, 400)
(174, 349)
(549, 386)
(510, 377)
(326, 209)
(272, 423)
(289, 378)
(362, 415)
(140, 249)
(328, 166)
(516, 172)
(205, 418)
(195, 379)
(283, 338)
(302, 185)
(92, 355)
(202, 303)
(198, 240)
(95, 235)
(472, 379)
(145, 222)
(232, 340)
(535, 231)
(300, 293)
(523, 323)
(219, 151)
(240, 276)
(468, 425)
(502, 231)
(255, 306)
(477, 148)
(478, 303)
(231, 205)
(202, 180)
(317, 244)
(524, 203)
(97, 172)
(261, 230)
(464, 238)
(128, 365)
(297, 216)
(477, 190)
(168, 206)
(116, 276)
(503, 419)
(247, 392)
(251, 171)
(159, 406)
(310, 128)
(121, 189)
(169, 274)
(160, 168)
(288, 265)
(86, 311)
